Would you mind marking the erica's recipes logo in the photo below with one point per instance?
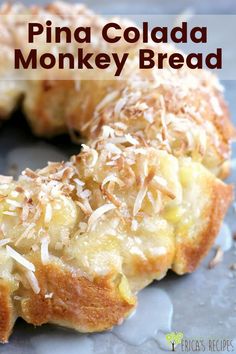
(177, 341)
(174, 339)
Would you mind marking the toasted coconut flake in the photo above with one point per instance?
(48, 296)
(134, 225)
(107, 99)
(25, 212)
(93, 153)
(149, 177)
(163, 119)
(32, 281)
(29, 173)
(20, 259)
(112, 148)
(98, 213)
(148, 116)
(162, 187)
(112, 178)
(10, 213)
(217, 258)
(79, 182)
(44, 250)
(121, 125)
(142, 106)
(160, 180)
(5, 179)
(119, 105)
(13, 203)
(48, 214)
(140, 151)
(111, 197)
(115, 157)
(107, 132)
(85, 194)
(64, 174)
(85, 148)
(111, 163)
(85, 207)
(131, 140)
(117, 140)
(156, 203)
(139, 200)
(26, 233)
(4, 241)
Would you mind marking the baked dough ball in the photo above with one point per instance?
(79, 239)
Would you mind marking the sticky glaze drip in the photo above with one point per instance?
(151, 320)
(224, 238)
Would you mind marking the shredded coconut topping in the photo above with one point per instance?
(4, 242)
(44, 250)
(20, 259)
(97, 214)
(139, 200)
(32, 281)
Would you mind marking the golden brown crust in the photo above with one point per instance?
(143, 271)
(75, 301)
(189, 253)
(7, 317)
